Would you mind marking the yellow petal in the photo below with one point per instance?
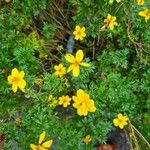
(70, 68)
(143, 13)
(9, 78)
(80, 93)
(21, 74)
(109, 16)
(77, 37)
(83, 29)
(76, 71)
(47, 144)
(33, 147)
(121, 126)
(120, 116)
(79, 55)
(115, 122)
(70, 58)
(42, 136)
(85, 64)
(22, 85)
(56, 67)
(77, 28)
(14, 88)
(14, 72)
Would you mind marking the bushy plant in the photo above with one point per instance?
(36, 71)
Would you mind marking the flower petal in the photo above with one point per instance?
(83, 29)
(42, 136)
(76, 71)
(120, 116)
(115, 122)
(22, 85)
(70, 58)
(121, 126)
(80, 93)
(9, 79)
(14, 88)
(47, 144)
(70, 68)
(79, 55)
(33, 147)
(85, 64)
(21, 74)
(14, 72)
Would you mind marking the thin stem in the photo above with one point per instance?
(148, 144)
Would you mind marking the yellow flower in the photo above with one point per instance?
(64, 100)
(140, 2)
(16, 79)
(83, 103)
(145, 13)
(79, 33)
(38, 81)
(121, 121)
(60, 70)
(76, 62)
(87, 139)
(110, 22)
(42, 145)
(111, 1)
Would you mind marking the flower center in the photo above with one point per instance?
(60, 70)
(76, 63)
(79, 32)
(120, 121)
(15, 80)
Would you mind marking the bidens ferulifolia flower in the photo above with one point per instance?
(110, 22)
(121, 121)
(145, 13)
(76, 62)
(42, 145)
(64, 100)
(79, 33)
(17, 81)
(60, 70)
(87, 139)
(140, 2)
(83, 103)
(111, 1)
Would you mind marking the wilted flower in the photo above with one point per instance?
(7, 1)
(145, 13)
(121, 121)
(38, 81)
(83, 103)
(76, 62)
(42, 145)
(79, 33)
(17, 81)
(110, 22)
(87, 139)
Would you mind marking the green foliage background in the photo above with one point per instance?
(33, 38)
